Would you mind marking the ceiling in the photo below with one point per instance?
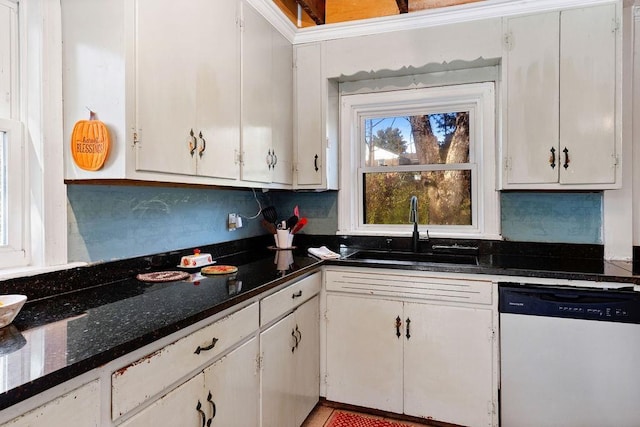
(306, 13)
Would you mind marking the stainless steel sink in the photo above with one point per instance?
(398, 256)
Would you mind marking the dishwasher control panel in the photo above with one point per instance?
(590, 304)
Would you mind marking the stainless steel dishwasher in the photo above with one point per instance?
(570, 357)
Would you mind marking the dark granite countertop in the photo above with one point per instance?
(57, 338)
(77, 320)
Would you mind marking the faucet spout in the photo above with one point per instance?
(413, 217)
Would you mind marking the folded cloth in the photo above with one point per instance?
(323, 252)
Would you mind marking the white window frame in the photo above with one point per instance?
(36, 98)
(14, 252)
(478, 99)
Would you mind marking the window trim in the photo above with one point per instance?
(15, 252)
(39, 110)
(478, 98)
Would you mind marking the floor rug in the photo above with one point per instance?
(348, 419)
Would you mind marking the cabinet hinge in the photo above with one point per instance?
(135, 138)
(491, 407)
(615, 26)
(616, 160)
(492, 334)
(505, 163)
(259, 360)
(506, 40)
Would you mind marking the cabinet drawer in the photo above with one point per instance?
(79, 407)
(152, 374)
(288, 298)
(406, 285)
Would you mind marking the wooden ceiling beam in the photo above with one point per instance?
(315, 9)
(403, 6)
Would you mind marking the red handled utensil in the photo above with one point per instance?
(301, 223)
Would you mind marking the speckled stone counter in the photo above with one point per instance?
(80, 319)
(56, 338)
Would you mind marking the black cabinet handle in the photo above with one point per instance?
(296, 295)
(566, 158)
(315, 162)
(398, 324)
(295, 338)
(202, 414)
(193, 143)
(209, 347)
(408, 325)
(552, 158)
(213, 409)
(275, 158)
(299, 339)
(204, 145)
(269, 159)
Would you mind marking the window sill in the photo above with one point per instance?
(13, 273)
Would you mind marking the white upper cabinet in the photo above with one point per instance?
(562, 75)
(315, 146)
(168, 80)
(188, 87)
(267, 98)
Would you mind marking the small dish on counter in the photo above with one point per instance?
(196, 268)
(10, 306)
(197, 260)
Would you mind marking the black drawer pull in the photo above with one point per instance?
(296, 295)
(209, 347)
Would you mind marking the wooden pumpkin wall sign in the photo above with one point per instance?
(90, 143)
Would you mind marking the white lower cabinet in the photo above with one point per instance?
(431, 359)
(290, 367)
(290, 353)
(78, 408)
(224, 394)
(154, 374)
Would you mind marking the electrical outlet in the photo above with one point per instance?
(232, 222)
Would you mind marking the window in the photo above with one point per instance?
(33, 236)
(434, 143)
(12, 217)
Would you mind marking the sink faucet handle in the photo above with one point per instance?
(413, 212)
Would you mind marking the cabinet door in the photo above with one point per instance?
(218, 90)
(310, 135)
(187, 80)
(532, 98)
(306, 359)
(166, 48)
(232, 386)
(282, 109)
(448, 364)
(588, 94)
(277, 346)
(256, 95)
(184, 406)
(364, 354)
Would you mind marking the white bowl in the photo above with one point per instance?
(10, 305)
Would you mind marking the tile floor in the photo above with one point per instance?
(321, 414)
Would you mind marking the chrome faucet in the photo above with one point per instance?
(413, 217)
